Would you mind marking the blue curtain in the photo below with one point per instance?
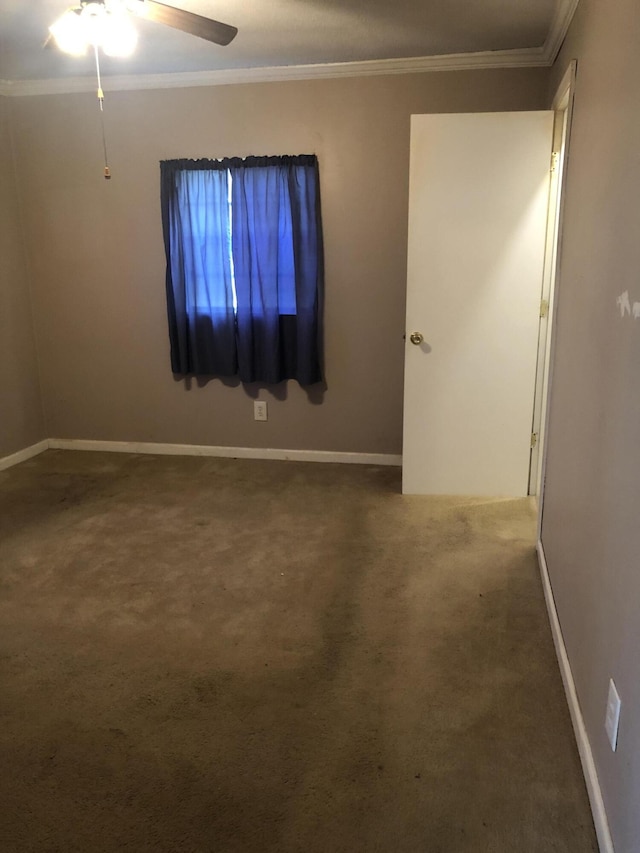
(243, 242)
(197, 233)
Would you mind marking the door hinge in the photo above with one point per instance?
(544, 307)
(555, 156)
(534, 439)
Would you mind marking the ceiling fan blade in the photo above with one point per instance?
(188, 22)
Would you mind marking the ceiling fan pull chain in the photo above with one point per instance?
(107, 171)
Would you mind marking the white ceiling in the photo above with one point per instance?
(292, 33)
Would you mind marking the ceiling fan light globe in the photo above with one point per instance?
(119, 37)
(69, 33)
(93, 16)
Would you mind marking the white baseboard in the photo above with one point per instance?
(229, 452)
(23, 455)
(584, 747)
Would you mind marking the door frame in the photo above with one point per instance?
(563, 107)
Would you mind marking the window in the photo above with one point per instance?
(243, 243)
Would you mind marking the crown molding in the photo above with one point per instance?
(536, 57)
(227, 76)
(565, 10)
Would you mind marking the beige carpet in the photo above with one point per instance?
(229, 656)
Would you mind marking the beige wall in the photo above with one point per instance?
(21, 422)
(98, 264)
(591, 529)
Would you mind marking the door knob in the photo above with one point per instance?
(416, 338)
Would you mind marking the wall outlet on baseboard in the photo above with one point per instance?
(612, 717)
(259, 410)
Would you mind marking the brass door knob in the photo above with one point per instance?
(416, 338)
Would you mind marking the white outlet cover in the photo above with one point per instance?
(260, 410)
(612, 718)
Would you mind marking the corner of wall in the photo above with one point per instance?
(582, 738)
(44, 432)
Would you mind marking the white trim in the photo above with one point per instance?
(23, 455)
(160, 449)
(565, 89)
(565, 11)
(584, 747)
(562, 101)
(228, 452)
(521, 58)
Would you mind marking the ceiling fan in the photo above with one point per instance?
(106, 24)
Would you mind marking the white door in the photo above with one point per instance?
(479, 186)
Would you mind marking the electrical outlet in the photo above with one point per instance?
(259, 410)
(612, 717)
